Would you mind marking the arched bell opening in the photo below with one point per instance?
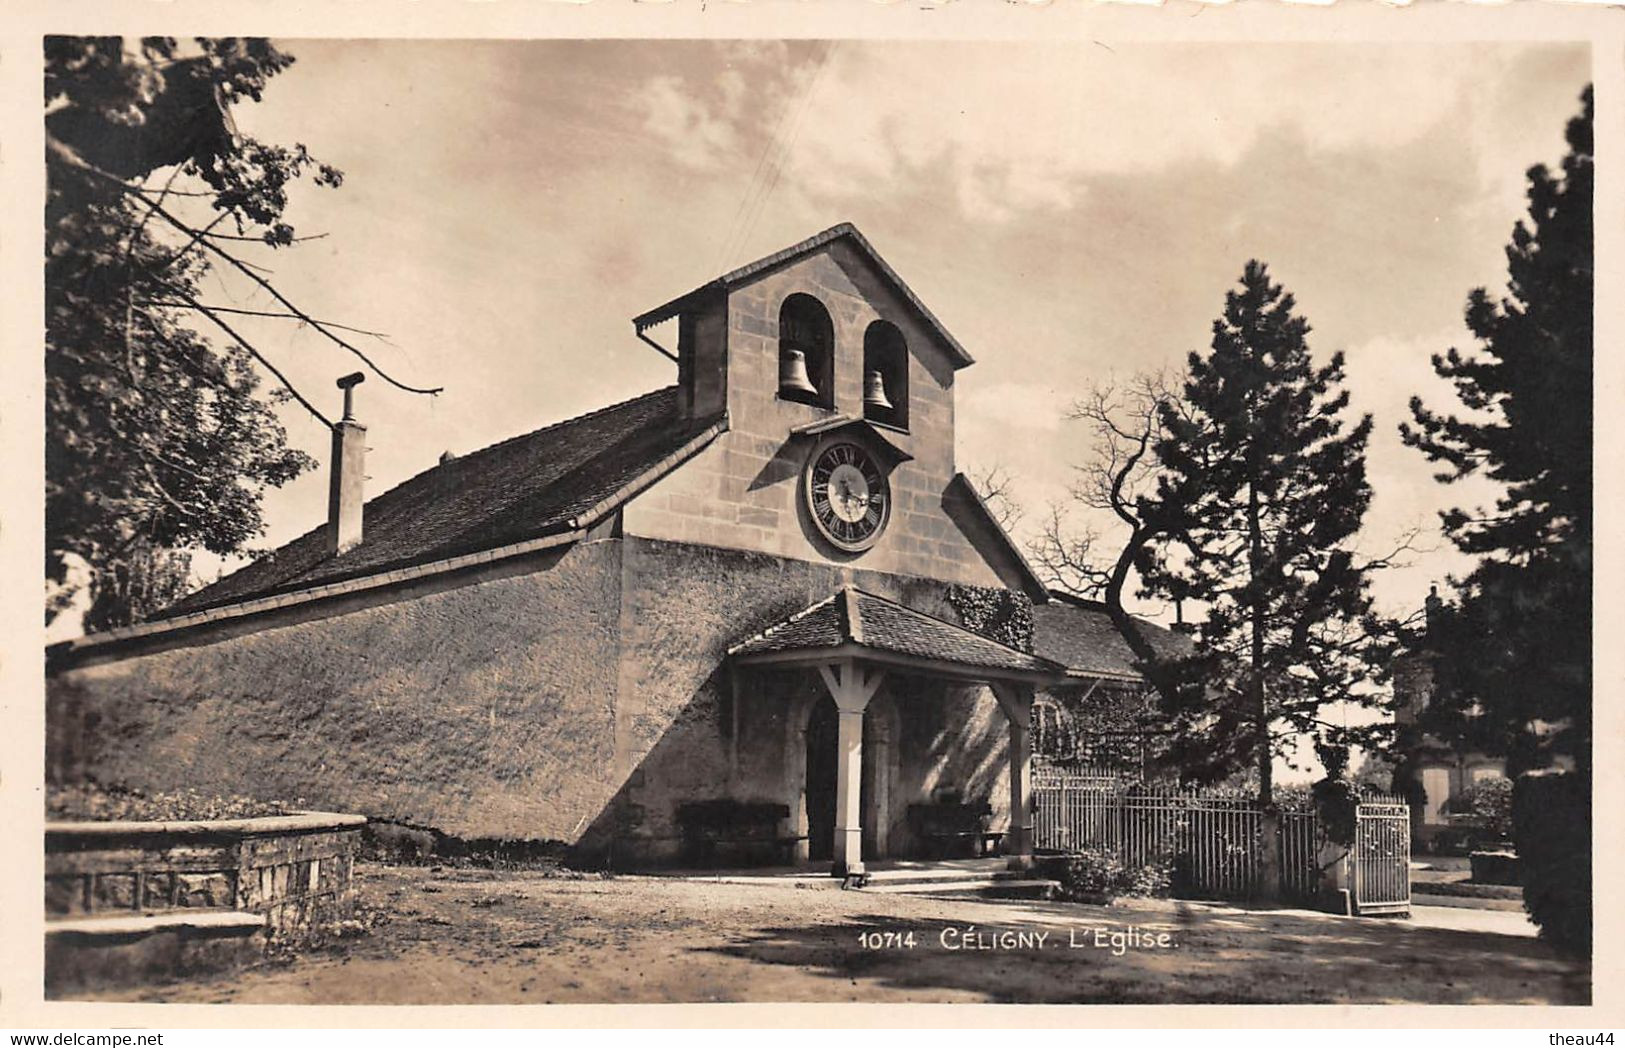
(806, 352)
(885, 375)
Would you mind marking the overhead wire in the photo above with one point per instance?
(775, 155)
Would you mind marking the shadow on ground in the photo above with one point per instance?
(469, 936)
(1187, 955)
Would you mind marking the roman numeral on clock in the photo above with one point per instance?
(847, 496)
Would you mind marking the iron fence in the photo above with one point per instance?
(1212, 837)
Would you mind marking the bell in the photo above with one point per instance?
(793, 373)
(874, 392)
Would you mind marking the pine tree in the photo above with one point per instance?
(1263, 486)
(1517, 647)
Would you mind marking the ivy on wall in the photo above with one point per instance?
(1103, 727)
(996, 613)
(1107, 707)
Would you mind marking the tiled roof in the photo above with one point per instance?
(522, 488)
(853, 616)
(768, 262)
(1079, 634)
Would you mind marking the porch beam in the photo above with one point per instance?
(877, 658)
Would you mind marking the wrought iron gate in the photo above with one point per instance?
(1382, 859)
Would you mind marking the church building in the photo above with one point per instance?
(766, 588)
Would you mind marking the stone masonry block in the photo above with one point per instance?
(156, 890)
(113, 891)
(64, 895)
(205, 889)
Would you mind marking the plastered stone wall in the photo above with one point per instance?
(578, 697)
(1413, 686)
(689, 736)
(743, 491)
(955, 739)
(480, 706)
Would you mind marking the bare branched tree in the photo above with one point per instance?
(996, 485)
(1125, 422)
(159, 440)
(1064, 555)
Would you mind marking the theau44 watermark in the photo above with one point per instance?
(1116, 939)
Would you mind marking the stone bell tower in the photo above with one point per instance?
(819, 344)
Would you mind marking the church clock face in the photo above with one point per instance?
(847, 496)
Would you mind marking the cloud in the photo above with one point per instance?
(1065, 209)
(697, 133)
(1018, 128)
(1383, 375)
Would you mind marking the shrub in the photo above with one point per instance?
(1495, 868)
(90, 801)
(1095, 874)
(1489, 803)
(1337, 805)
(1151, 880)
(393, 842)
(1551, 827)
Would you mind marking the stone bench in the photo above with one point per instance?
(749, 831)
(950, 828)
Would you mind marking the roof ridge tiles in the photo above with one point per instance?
(783, 623)
(851, 616)
(1075, 600)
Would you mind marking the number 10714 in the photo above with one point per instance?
(886, 940)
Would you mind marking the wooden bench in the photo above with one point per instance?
(741, 831)
(948, 827)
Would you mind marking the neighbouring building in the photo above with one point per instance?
(1433, 773)
(767, 585)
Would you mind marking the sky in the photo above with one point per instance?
(1071, 211)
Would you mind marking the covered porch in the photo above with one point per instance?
(861, 714)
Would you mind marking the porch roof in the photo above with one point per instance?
(852, 623)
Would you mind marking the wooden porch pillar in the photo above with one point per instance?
(1017, 703)
(848, 794)
(851, 686)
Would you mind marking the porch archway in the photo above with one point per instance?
(853, 640)
(810, 763)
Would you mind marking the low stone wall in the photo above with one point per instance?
(295, 870)
(1495, 867)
